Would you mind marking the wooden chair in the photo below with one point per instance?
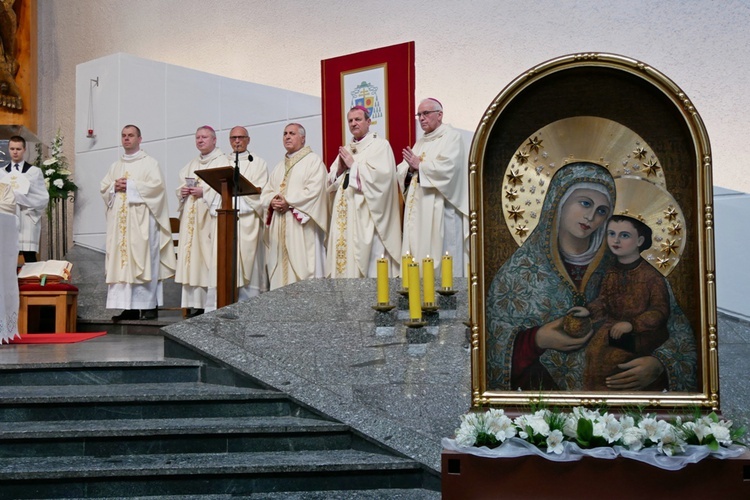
(174, 226)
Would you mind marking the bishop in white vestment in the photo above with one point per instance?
(197, 204)
(365, 222)
(296, 207)
(251, 264)
(435, 179)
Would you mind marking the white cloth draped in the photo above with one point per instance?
(517, 447)
(8, 260)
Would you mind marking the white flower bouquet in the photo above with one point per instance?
(57, 177)
(563, 436)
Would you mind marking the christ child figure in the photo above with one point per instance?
(630, 314)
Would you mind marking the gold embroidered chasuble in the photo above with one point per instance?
(295, 238)
(365, 221)
(128, 258)
(196, 252)
(436, 205)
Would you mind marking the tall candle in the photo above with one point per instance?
(405, 261)
(415, 304)
(383, 297)
(428, 279)
(446, 272)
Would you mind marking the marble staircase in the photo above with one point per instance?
(181, 426)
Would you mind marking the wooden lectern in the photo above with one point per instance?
(221, 179)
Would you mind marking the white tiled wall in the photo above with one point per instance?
(169, 103)
(732, 213)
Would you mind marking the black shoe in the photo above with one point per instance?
(127, 314)
(149, 313)
(195, 312)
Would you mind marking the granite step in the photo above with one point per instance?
(101, 438)
(98, 373)
(198, 474)
(139, 401)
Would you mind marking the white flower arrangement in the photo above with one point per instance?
(593, 432)
(57, 177)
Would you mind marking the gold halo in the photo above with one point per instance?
(579, 138)
(656, 207)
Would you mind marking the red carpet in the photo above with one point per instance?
(55, 338)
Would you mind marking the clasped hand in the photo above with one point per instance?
(196, 191)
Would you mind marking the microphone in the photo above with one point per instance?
(249, 157)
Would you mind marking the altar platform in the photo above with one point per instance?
(318, 342)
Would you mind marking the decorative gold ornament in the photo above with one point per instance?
(515, 213)
(671, 213)
(639, 153)
(669, 247)
(640, 199)
(580, 138)
(514, 178)
(652, 167)
(534, 144)
(522, 157)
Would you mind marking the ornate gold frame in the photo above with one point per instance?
(613, 87)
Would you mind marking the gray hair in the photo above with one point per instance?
(300, 129)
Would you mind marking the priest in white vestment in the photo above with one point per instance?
(296, 207)
(197, 204)
(365, 219)
(251, 264)
(31, 197)
(434, 177)
(140, 252)
(8, 260)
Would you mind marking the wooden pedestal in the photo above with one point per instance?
(467, 477)
(65, 303)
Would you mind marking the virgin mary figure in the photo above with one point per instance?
(560, 266)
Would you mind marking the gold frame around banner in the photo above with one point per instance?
(345, 98)
(656, 111)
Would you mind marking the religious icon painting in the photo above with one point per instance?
(592, 273)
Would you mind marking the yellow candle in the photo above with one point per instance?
(415, 303)
(446, 272)
(383, 297)
(428, 277)
(405, 261)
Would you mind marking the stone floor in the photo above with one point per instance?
(320, 342)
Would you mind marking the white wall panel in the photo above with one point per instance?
(192, 101)
(143, 96)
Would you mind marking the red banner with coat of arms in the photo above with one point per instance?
(381, 80)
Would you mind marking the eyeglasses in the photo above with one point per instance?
(426, 113)
(235, 137)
